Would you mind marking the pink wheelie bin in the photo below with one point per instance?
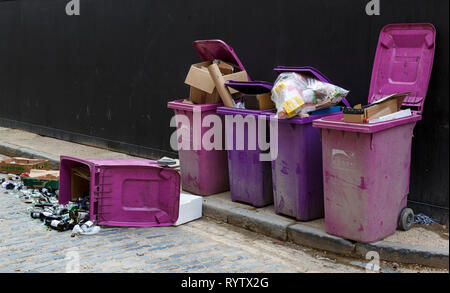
(366, 167)
(122, 192)
(203, 171)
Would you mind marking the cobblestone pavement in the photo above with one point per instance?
(26, 245)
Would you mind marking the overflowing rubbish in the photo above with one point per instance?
(45, 206)
(297, 94)
(423, 219)
(207, 79)
(256, 95)
(382, 110)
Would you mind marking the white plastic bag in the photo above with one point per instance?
(295, 94)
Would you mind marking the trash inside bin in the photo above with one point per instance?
(203, 171)
(297, 94)
(367, 166)
(297, 169)
(250, 177)
(122, 192)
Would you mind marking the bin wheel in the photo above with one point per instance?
(406, 219)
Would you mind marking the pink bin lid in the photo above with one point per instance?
(217, 49)
(403, 63)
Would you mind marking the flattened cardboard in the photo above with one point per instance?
(385, 106)
(43, 174)
(258, 102)
(18, 165)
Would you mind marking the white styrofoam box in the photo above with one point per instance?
(190, 208)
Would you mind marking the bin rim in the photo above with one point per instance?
(334, 122)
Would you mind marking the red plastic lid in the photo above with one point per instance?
(403, 63)
(217, 49)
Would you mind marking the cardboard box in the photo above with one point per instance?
(19, 165)
(382, 107)
(42, 179)
(258, 102)
(203, 90)
(41, 183)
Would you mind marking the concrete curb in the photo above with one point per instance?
(318, 239)
(405, 253)
(266, 224)
(272, 225)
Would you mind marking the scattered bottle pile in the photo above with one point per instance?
(45, 206)
(62, 217)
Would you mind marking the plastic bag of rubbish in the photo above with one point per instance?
(295, 94)
(88, 228)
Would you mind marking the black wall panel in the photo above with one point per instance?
(104, 77)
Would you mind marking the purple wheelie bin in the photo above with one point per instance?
(297, 169)
(203, 171)
(250, 177)
(366, 167)
(123, 192)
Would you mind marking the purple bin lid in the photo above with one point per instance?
(250, 87)
(403, 63)
(310, 71)
(303, 69)
(217, 49)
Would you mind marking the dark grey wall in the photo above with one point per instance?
(105, 77)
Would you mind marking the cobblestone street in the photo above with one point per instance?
(26, 245)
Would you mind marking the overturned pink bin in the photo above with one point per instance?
(122, 192)
(366, 167)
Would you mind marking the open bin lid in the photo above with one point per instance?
(403, 63)
(250, 87)
(217, 49)
(310, 71)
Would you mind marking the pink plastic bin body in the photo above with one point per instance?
(203, 172)
(366, 179)
(366, 167)
(126, 192)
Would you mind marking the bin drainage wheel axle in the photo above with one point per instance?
(406, 219)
